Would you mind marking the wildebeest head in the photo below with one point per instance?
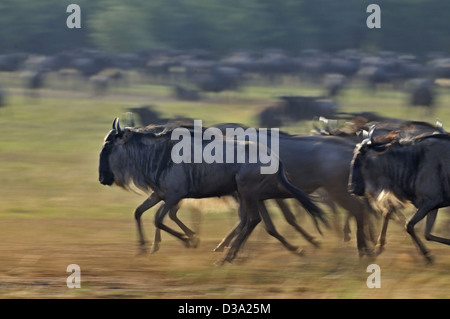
(361, 162)
(128, 154)
(106, 176)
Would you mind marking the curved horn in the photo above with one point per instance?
(119, 130)
(114, 123)
(370, 134)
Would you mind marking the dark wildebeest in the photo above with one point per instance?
(220, 78)
(144, 157)
(422, 92)
(392, 169)
(184, 94)
(314, 162)
(356, 130)
(293, 108)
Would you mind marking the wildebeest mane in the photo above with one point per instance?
(143, 157)
(401, 166)
(146, 153)
(401, 163)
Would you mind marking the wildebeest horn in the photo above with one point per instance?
(439, 126)
(119, 130)
(370, 134)
(114, 124)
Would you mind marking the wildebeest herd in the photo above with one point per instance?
(376, 165)
(203, 73)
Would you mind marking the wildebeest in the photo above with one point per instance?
(422, 92)
(219, 78)
(314, 162)
(34, 81)
(185, 94)
(291, 108)
(356, 128)
(143, 157)
(413, 169)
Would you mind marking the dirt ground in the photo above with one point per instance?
(36, 253)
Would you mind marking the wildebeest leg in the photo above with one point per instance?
(325, 199)
(159, 218)
(227, 240)
(235, 231)
(157, 240)
(193, 240)
(357, 210)
(431, 218)
(270, 228)
(347, 230)
(249, 219)
(369, 223)
(418, 216)
(146, 205)
(382, 238)
(290, 218)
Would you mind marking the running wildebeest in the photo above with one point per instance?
(314, 162)
(293, 108)
(356, 130)
(392, 168)
(143, 157)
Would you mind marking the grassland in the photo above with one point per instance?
(54, 212)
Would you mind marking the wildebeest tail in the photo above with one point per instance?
(304, 199)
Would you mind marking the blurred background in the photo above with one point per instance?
(261, 63)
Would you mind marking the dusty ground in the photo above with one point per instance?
(36, 252)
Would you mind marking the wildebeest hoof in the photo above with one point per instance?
(194, 241)
(369, 253)
(154, 249)
(429, 258)
(316, 243)
(299, 251)
(222, 261)
(378, 249)
(218, 249)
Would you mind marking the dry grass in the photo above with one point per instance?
(35, 255)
